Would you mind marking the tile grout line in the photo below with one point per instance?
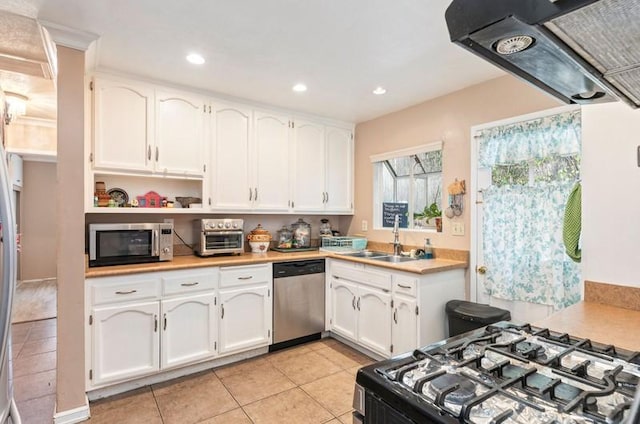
(155, 400)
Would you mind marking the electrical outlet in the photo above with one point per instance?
(457, 228)
(168, 221)
(365, 225)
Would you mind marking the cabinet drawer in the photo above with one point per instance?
(242, 275)
(370, 277)
(405, 285)
(124, 289)
(189, 281)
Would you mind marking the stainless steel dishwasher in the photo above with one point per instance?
(298, 302)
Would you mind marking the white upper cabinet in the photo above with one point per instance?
(339, 170)
(122, 125)
(324, 168)
(270, 162)
(231, 188)
(310, 167)
(180, 133)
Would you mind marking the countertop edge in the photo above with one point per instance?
(421, 267)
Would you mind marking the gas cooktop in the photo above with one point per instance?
(504, 373)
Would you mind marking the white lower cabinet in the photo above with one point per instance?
(144, 323)
(374, 319)
(390, 312)
(245, 307)
(404, 328)
(189, 329)
(124, 341)
(344, 312)
(244, 318)
(361, 312)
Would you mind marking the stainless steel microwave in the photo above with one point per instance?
(120, 244)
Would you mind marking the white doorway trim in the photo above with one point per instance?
(473, 257)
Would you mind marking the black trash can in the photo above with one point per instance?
(465, 316)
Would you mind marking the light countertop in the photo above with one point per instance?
(598, 322)
(422, 266)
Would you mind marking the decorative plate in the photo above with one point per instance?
(119, 196)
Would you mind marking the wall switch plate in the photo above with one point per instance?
(168, 221)
(365, 225)
(457, 228)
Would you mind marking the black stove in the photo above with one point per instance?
(503, 373)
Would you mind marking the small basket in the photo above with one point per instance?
(343, 244)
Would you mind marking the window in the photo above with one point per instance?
(408, 182)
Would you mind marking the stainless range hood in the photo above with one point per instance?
(580, 51)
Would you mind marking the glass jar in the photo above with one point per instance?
(325, 227)
(301, 234)
(284, 237)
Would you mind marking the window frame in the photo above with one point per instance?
(377, 182)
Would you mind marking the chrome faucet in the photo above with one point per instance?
(397, 247)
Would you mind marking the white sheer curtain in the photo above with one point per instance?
(522, 225)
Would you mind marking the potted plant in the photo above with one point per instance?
(431, 212)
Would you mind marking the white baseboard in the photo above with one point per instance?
(38, 280)
(72, 416)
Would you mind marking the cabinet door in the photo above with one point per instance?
(125, 342)
(343, 308)
(180, 121)
(309, 167)
(231, 188)
(404, 330)
(189, 329)
(123, 126)
(339, 170)
(374, 320)
(271, 162)
(245, 318)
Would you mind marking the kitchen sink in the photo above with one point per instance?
(393, 259)
(366, 254)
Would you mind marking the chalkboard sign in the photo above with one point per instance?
(389, 212)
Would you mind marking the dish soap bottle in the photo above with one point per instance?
(428, 249)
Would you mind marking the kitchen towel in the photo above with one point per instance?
(573, 224)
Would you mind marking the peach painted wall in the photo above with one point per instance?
(38, 255)
(448, 118)
(70, 223)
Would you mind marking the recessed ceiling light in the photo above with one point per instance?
(379, 90)
(195, 58)
(299, 88)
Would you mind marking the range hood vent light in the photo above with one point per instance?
(513, 45)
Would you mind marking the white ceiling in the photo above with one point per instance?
(257, 50)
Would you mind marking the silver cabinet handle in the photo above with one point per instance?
(189, 284)
(327, 201)
(395, 315)
(157, 153)
(250, 194)
(148, 152)
(403, 286)
(165, 322)
(255, 196)
(222, 307)
(155, 325)
(246, 278)
(353, 302)
(358, 304)
(126, 292)
(385, 290)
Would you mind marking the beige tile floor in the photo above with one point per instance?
(311, 383)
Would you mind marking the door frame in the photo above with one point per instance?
(473, 198)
